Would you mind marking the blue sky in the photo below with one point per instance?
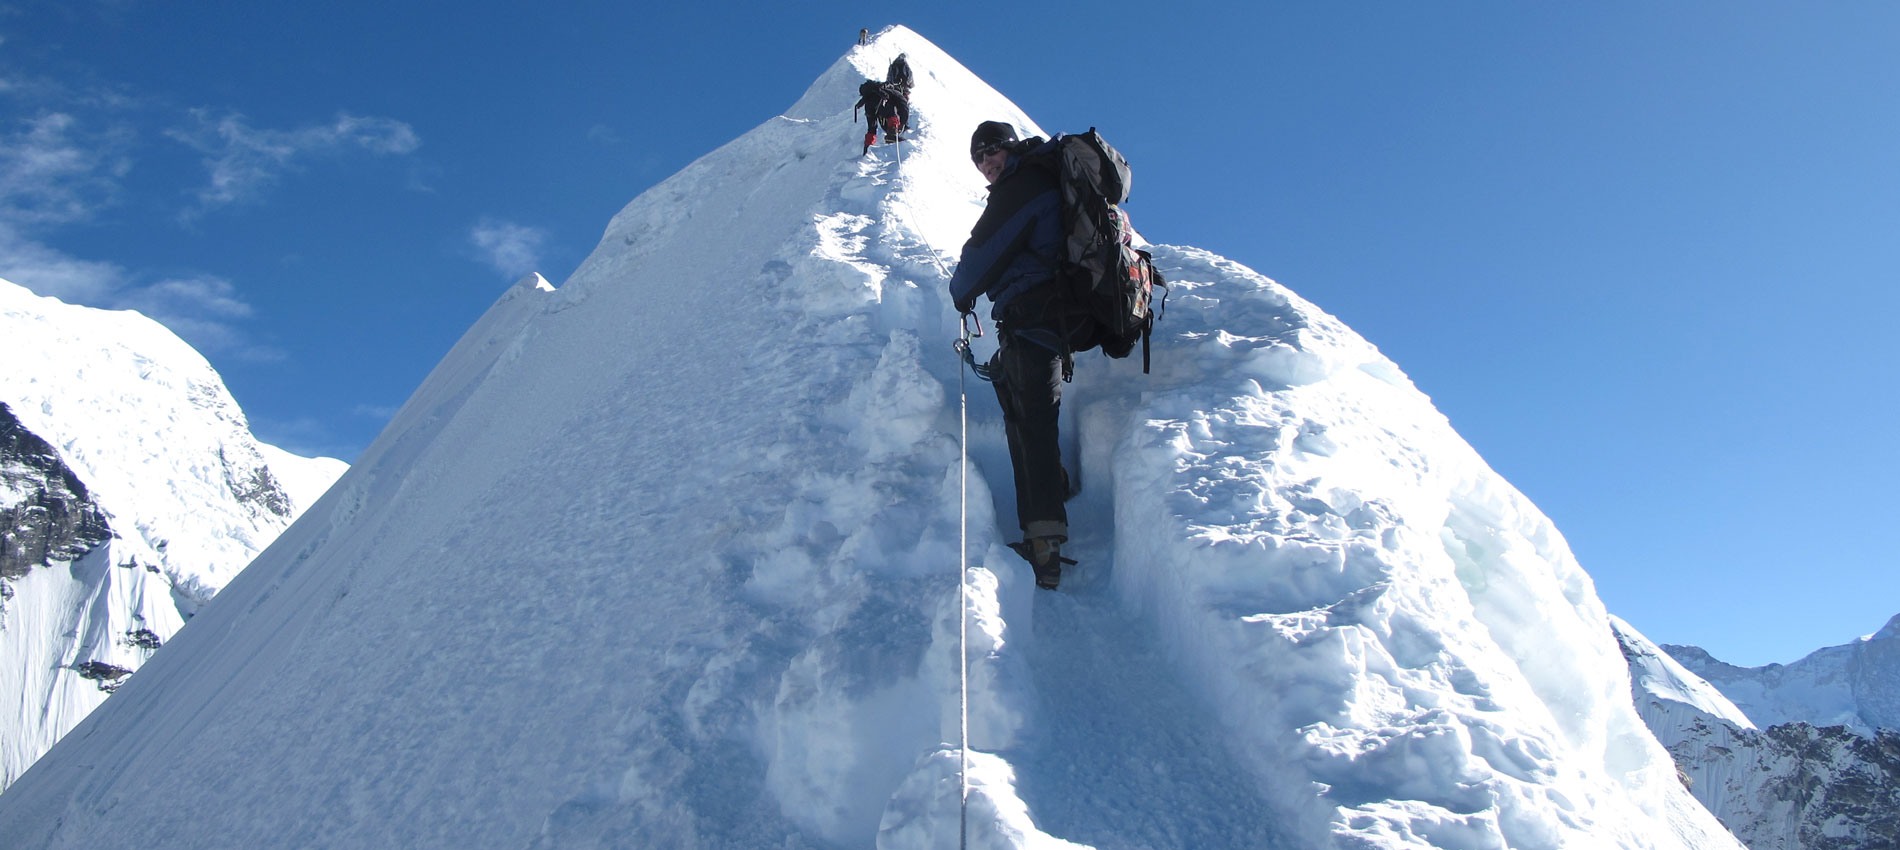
(1643, 255)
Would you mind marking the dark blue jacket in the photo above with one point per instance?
(1014, 246)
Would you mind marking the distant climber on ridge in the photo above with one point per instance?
(1011, 258)
(899, 75)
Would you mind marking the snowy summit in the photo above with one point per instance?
(1856, 685)
(131, 490)
(668, 557)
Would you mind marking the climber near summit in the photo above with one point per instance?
(1011, 256)
(885, 105)
(898, 74)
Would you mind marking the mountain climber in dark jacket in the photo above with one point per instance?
(898, 74)
(884, 106)
(1011, 257)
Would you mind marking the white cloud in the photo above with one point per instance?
(512, 249)
(55, 172)
(204, 310)
(305, 436)
(603, 134)
(244, 160)
(48, 271)
(210, 297)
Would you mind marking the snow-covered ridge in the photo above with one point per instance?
(674, 549)
(111, 416)
(1791, 785)
(1856, 684)
(1663, 687)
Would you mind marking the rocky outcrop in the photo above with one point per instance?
(131, 491)
(254, 487)
(1791, 786)
(1795, 786)
(46, 515)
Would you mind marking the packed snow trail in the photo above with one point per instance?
(1118, 756)
(665, 558)
(1119, 740)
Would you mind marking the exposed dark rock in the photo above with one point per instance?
(1801, 787)
(143, 638)
(255, 487)
(108, 676)
(48, 516)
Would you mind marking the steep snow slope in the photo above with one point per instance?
(667, 558)
(110, 415)
(1856, 685)
(1665, 689)
(1792, 786)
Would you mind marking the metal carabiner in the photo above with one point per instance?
(968, 319)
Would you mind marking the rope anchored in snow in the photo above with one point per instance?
(963, 583)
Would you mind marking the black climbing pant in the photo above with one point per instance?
(1028, 382)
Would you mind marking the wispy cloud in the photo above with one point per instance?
(65, 153)
(47, 271)
(206, 311)
(305, 436)
(243, 160)
(55, 171)
(602, 134)
(512, 249)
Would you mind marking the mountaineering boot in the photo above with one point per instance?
(1044, 555)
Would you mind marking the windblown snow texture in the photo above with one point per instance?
(131, 489)
(668, 557)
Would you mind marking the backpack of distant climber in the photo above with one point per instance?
(898, 74)
(885, 107)
(870, 98)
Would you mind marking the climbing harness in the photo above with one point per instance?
(962, 345)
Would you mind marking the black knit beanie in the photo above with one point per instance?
(990, 133)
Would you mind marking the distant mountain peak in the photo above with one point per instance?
(1790, 784)
(1855, 684)
(131, 491)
